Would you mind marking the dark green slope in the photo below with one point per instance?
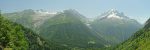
(36, 42)
(139, 41)
(15, 36)
(68, 29)
(147, 24)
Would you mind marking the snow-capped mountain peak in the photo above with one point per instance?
(113, 13)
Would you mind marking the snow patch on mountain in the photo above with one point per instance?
(42, 12)
(113, 15)
(40, 16)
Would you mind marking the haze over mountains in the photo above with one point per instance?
(73, 30)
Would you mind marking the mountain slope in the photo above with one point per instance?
(114, 26)
(69, 23)
(68, 29)
(29, 18)
(139, 41)
(17, 37)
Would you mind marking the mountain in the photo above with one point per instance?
(113, 13)
(17, 37)
(139, 41)
(114, 26)
(147, 24)
(68, 28)
(29, 18)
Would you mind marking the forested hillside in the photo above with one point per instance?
(17, 37)
(139, 41)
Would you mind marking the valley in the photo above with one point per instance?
(70, 30)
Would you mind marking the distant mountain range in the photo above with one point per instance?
(71, 29)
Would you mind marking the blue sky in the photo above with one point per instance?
(136, 9)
